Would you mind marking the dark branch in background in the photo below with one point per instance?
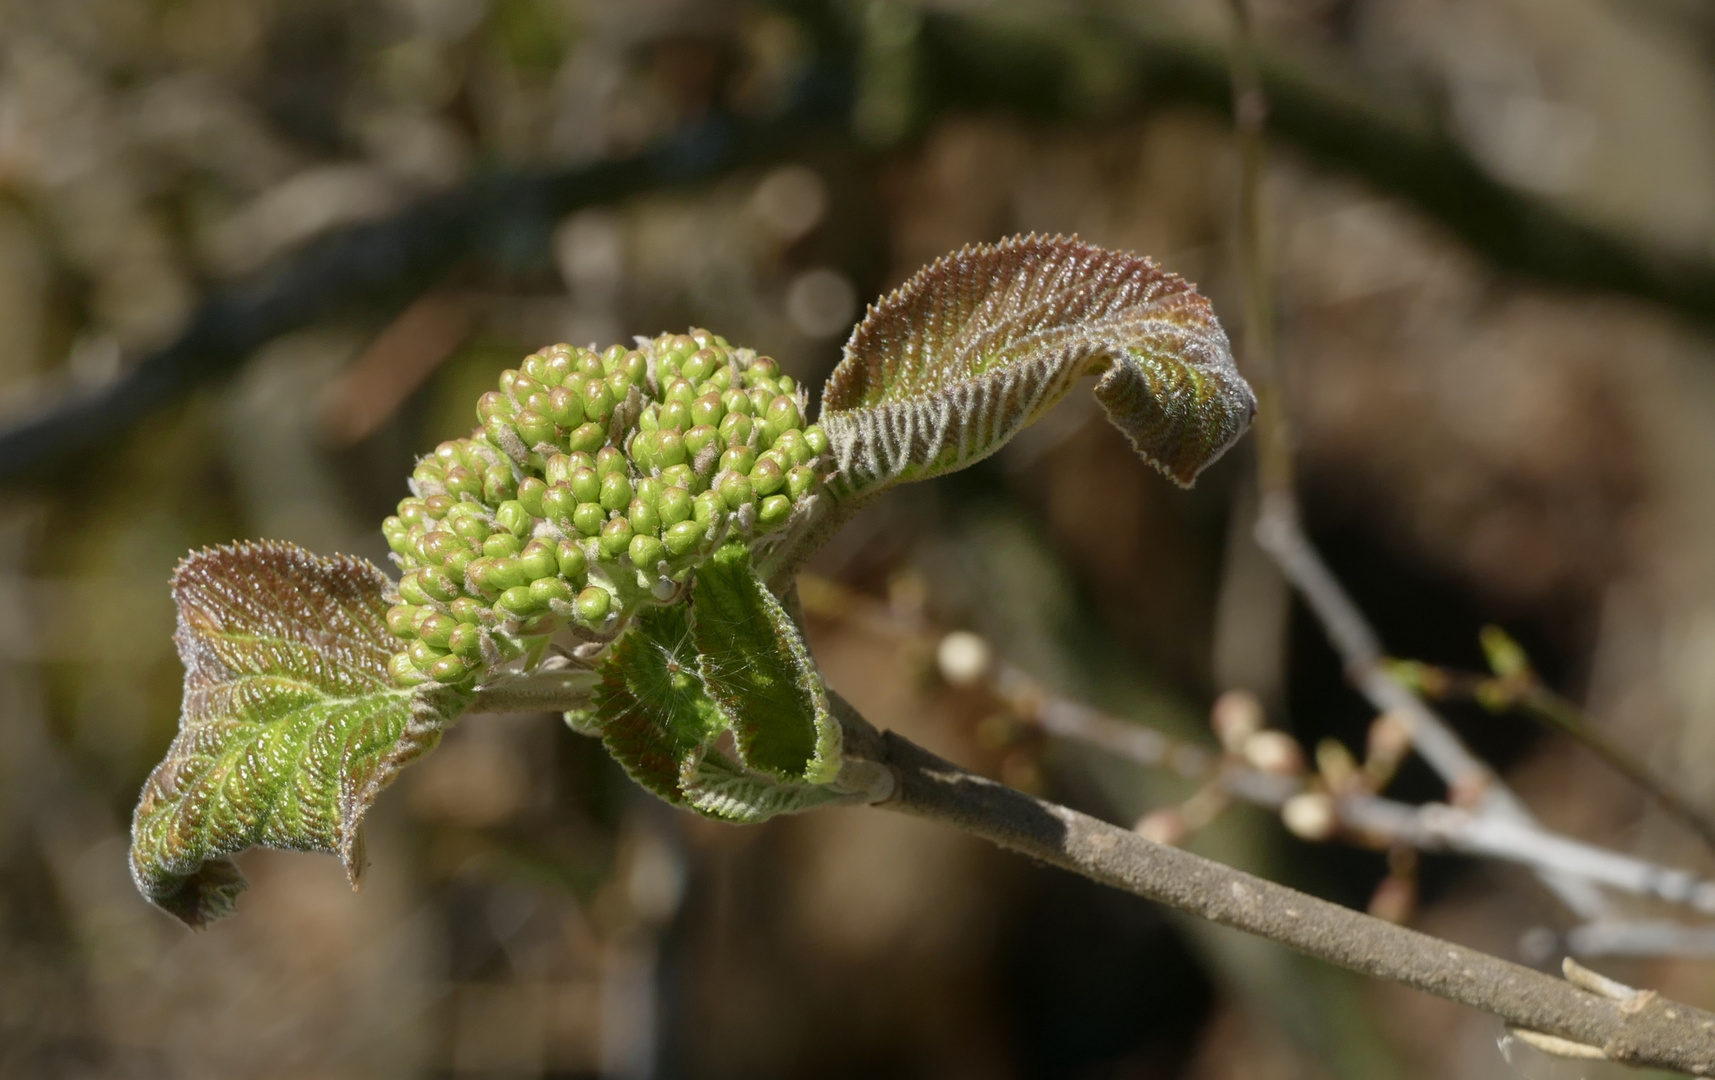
(1059, 69)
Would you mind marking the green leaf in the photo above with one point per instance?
(758, 670)
(291, 724)
(650, 707)
(946, 369)
(714, 786)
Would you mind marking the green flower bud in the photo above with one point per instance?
(675, 416)
(650, 418)
(785, 384)
(759, 401)
(739, 459)
(423, 654)
(502, 544)
(428, 471)
(636, 368)
(648, 489)
(737, 401)
(435, 507)
(412, 591)
(782, 416)
(413, 512)
(609, 460)
(588, 363)
(585, 485)
(522, 386)
(587, 438)
(792, 447)
(642, 450)
(684, 537)
(645, 551)
(735, 428)
(457, 561)
(399, 539)
(573, 563)
(507, 573)
(565, 408)
(534, 428)
(680, 346)
(514, 518)
(557, 366)
(682, 391)
(477, 573)
(598, 401)
(449, 453)
(468, 610)
(404, 672)
(766, 476)
(610, 358)
(530, 492)
(436, 629)
(493, 406)
(558, 470)
(736, 492)
(546, 589)
(535, 366)
(465, 641)
(588, 518)
(461, 481)
(707, 410)
(517, 600)
(615, 491)
(673, 505)
(764, 367)
(773, 511)
(559, 502)
(399, 622)
(698, 439)
(669, 448)
(616, 537)
(448, 669)
(708, 508)
(816, 439)
(498, 484)
(679, 476)
(699, 365)
(538, 403)
(618, 384)
(538, 560)
(644, 518)
(437, 583)
(799, 479)
(592, 604)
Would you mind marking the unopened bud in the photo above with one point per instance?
(1310, 816)
(1236, 716)
(1273, 752)
(963, 658)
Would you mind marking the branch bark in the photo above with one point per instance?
(1644, 1029)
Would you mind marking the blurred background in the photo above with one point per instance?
(256, 254)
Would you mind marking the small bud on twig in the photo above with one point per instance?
(1236, 716)
(1273, 752)
(1310, 816)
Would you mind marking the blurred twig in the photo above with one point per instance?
(1278, 529)
(1515, 686)
(991, 60)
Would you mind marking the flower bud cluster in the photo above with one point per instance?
(596, 483)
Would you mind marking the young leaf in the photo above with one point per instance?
(650, 707)
(716, 787)
(291, 724)
(952, 364)
(760, 673)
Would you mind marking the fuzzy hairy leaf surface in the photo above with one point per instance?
(759, 671)
(952, 364)
(650, 707)
(291, 724)
(716, 787)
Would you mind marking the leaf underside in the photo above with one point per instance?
(291, 724)
(980, 343)
(681, 679)
(759, 671)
